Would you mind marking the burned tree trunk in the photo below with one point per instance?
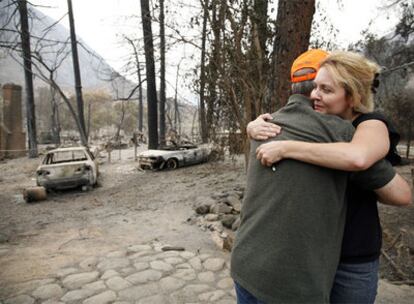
(202, 111)
(28, 77)
(293, 26)
(78, 84)
(150, 70)
(162, 76)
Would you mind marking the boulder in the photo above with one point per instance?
(202, 209)
(220, 208)
(228, 220)
(211, 217)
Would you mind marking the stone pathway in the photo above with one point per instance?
(140, 274)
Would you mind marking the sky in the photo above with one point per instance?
(101, 24)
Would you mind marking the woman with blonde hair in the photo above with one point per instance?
(344, 86)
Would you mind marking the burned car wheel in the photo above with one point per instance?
(171, 164)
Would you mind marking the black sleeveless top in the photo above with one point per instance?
(363, 236)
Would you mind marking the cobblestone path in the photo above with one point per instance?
(141, 274)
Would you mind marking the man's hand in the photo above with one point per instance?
(260, 129)
(270, 153)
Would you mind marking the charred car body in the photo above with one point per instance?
(68, 168)
(173, 157)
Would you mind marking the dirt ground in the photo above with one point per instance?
(134, 206)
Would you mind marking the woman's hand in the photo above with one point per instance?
(260, 129)
(270, 153)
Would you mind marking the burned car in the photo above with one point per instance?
(64, 168)
(173, 157)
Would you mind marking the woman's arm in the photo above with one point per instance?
(369, 144)
(260, 129)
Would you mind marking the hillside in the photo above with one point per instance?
(95, 72)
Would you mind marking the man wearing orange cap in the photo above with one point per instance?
(288, 245)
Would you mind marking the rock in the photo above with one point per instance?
(144, 276)
(219, 195)
(160, 265)
(52, 302)
(183, 266)
(103, 298)
(206, 277)
(174, 260)
(196, 288)
(153, 299)
(95, 286)
(203, 200)
(211, 217)
(169, 284)
(139, 254)
(48, 292)
(225, 283)
(212, 296)
(189, 293)
(220, 208)
(76, 295)
(109, 273)
(236, 224)
(196, 263)
(141, 266)
(223, 240)
(204, 256)
(127, 270)
(214, 264)
(22, 299)
(117, 283)
(202, 209)
(216, 226)
(185, 274)
(232, 200)
(74, 281)
(239, 193)
(228, 220)
(136, 293)
(187, 254)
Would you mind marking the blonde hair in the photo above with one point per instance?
(355, 73)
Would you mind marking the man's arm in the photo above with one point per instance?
(397, 192)
(390, 187)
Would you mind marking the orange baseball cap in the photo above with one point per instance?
(309, 59)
